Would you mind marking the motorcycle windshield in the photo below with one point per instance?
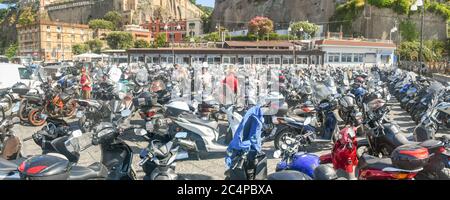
(141, 76)
(435, 87)
(322, 91)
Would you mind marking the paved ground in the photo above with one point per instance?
(209, 168)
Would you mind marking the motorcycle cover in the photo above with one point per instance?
(248, 134)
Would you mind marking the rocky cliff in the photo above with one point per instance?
(234, 14)
(373, 23)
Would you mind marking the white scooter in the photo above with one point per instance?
(205, 133)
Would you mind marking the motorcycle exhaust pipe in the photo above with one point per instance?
(189, 145)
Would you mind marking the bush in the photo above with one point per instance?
(441, 9)
(382, 3)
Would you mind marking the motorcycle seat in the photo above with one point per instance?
(195, 120)
(10, 165)
(288, 175)
(399, 140)
(372, 162)
(93, 171)
(431, 144)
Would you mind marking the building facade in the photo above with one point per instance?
(341, 52)
(51, 41)
(175, 31)
(139, 33)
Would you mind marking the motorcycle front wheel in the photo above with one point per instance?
(35, 117)
(282, 135)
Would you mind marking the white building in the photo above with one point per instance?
(340, 52)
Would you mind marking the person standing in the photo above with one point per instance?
(85, 82)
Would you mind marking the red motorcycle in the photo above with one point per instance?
(343, 155)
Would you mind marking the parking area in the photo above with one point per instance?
(210, 167)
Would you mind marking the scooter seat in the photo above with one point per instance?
(10, 165)
(372, 162)
(93, 171)
(288, 175)
(195, 120)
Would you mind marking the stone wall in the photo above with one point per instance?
(381, 20)
(234, 14)
(81, 11)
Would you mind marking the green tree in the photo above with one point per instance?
(308, 28)
(101, 24)
(260, 26)
(408, 31)
(12, 50)
(119, 40)
(160, 40)
(115, 18)
(141, 44)
(27, 16)
(78, 49)
(94, 45)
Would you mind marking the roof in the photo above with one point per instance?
(206, 51)
(355, 43)
(259, 44)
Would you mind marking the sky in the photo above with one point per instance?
(209, 3)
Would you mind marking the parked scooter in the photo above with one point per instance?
(158, 160)
(116, 157)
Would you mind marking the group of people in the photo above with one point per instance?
(181, 75)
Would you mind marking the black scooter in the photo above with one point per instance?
(116, 158)
(158, 159)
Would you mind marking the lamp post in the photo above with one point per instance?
(289, 33)
(414, 7)
(301, 33)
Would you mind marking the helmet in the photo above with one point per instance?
(324, 172)
(157, 86)
(288, 175)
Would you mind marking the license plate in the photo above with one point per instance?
(149, 126)
(16, 107)
(80, 114)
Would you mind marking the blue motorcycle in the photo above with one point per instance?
(293, 159)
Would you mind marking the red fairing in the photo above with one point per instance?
(326, 158)
(344, 151)
(35, 170)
